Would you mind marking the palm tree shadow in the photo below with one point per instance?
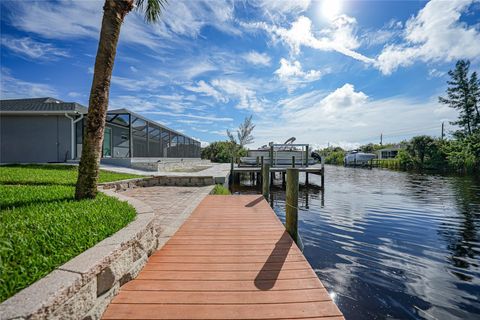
(268, 275)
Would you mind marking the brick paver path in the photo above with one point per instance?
(172, 205)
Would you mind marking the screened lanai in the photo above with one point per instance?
(129, 135)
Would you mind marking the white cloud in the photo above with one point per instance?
(347, 116)
(242, 91)
(144, 84)
(339, 36)
(197, 122)
(12, 87)
(280, 9)
(133, 103)
(29, 48)
(434, 73)
(434, 34)
(389, 32)
(198, 68)
(257, 58)
(191, 116)
(133, 69)
(207, 90)
(80, 19)
(73, 94)
(292, 75)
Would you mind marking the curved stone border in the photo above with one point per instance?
(84, 286)
(184, 181)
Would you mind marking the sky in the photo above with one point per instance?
(331, 72)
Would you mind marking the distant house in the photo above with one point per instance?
(44, 130)
(388, 153)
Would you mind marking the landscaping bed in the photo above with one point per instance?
(42, 226)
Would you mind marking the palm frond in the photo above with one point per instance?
(152, 9)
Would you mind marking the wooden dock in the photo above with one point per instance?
(232, 259)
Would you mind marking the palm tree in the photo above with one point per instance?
(114, 12)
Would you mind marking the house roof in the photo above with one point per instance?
(47, 104)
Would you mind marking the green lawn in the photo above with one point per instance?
(42, 226)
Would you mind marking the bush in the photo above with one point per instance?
(221, 151)
(220, 190)
(335, 157)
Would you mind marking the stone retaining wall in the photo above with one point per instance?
(184, 181)
(83, 287)
(167, 164)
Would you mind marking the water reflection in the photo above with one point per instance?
(393, 245)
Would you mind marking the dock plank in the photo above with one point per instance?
(232, 259)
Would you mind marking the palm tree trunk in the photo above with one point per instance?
(114, 12)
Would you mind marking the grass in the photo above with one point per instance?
(42, 226)
(220, 190)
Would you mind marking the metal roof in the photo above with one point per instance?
(47, 104)
(116, 111)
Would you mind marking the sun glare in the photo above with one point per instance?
(331, 8)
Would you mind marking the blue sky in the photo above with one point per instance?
(332, 71)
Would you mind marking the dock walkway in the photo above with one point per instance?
(232, 259)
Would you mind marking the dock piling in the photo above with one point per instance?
(266, 180)
(231, 172)
(306, 156)
(291, 203)
(322, 176)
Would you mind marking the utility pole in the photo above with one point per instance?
(381, 139)
(442, 131)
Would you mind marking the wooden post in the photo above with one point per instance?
(306, 156)
(293, 161)
(231, 171)
(271, 156)
(266, 180)
(258, 161)
(322, 177)
(261, 170)
(306, 178)
(291, 204)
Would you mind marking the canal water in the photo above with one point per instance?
(392, 245)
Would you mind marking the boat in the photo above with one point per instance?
(282, 155)
(357, 158)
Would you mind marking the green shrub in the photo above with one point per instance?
(221, 151)
(335, 157)
(220, 190)
(43, 226)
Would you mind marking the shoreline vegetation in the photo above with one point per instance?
(43, 226)
(423, 153)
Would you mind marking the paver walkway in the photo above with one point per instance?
(232, 259)
(172, 205)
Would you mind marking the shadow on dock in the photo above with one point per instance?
(254, 202)
(268, 275)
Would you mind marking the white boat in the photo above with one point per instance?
(356, 158)
(281, 155)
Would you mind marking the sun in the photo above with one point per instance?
(331, 8)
